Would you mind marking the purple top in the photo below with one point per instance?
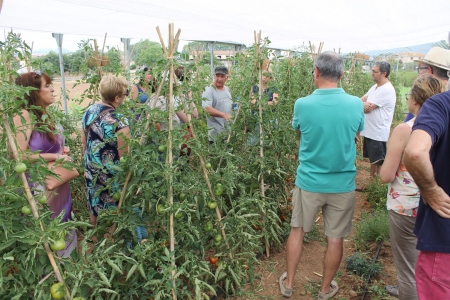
(60, 199)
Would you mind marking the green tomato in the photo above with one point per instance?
(217, 243)
(208, 166)
(122, 160)
(116, 196)
(160, 209)
(218, 238)
(212, 204)
(42, 199)
(20, 168)
(208, 226)
(178, 214)
(182, 196)
(161, 148)
(26, 210)
(57, 291)
(58, 245)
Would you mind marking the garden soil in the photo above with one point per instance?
(308, 275)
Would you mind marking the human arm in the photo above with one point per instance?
(274, 99)
(417, 161)
(208, 104)
(134, 94)
(217, 113)
(369, 107)
(83, 142)
(395, 147)
(23, 138)
(123, 135)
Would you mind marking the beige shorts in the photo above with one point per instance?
(337, 210)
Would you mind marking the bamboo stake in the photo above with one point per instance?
(31, 201)
(169, 148)
(261, 134)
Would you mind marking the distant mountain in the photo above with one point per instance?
(423, 48)
(43, 51)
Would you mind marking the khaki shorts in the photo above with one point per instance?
(337, 210)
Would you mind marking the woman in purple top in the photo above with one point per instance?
(42, 135)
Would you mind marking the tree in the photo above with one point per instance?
(147, 53)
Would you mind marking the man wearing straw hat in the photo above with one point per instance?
(437, 63)
(326, 174)
(217, 102)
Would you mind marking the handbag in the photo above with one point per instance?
(64, 175)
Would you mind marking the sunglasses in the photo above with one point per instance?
(407, 96)
(127, 93)
(37, 73)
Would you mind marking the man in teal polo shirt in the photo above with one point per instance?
(329, 121)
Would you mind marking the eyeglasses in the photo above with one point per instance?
(421, 68)
(127, 93)
(407, 96)
(313, 72)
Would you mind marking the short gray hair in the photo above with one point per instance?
(330, 65)
(384, 67)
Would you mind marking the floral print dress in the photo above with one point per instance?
(403, 193)
(101, 154)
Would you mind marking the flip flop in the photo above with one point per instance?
(333, 291)
(392, 290)
(286, 292)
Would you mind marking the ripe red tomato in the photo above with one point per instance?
(213, 260)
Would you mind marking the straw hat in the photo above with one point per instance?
(438, 57)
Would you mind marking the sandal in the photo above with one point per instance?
(392, 290)
(286, 292)
(333, 291)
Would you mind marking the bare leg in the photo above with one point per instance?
(93, 220)
(374, 169)
(294, 249)
(331, 263)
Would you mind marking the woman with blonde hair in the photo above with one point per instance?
(104, 142)
(403, 193)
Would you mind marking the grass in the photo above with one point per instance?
(376, 193)
(372, 228)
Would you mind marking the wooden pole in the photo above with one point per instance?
(260, 108)
(31, 201)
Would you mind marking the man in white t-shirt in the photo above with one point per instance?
(379, 105)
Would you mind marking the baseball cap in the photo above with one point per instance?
(221, 70)
(438, 57)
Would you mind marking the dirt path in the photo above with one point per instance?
(307, 278)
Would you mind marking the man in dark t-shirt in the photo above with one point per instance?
(427, 160)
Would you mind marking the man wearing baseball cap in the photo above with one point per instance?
(217, 102)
